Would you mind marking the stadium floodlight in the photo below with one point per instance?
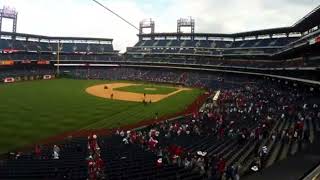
(9, 13)
(185, 22)
(147, 24)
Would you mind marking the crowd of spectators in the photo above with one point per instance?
(246, 115)
(187, 78)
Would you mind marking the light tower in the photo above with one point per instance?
(9, 13)
(146, 24)
(185, 22)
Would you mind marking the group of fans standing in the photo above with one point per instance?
(95, 162)
(246, 114)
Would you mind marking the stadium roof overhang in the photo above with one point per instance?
(284, 30)
(308, 22)
(53, 38)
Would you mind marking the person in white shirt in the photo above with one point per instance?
(55, 155)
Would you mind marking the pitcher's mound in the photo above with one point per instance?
(106, 91)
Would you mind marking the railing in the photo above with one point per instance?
(314, 174)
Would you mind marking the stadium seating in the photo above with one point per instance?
(169, 44)
(70, 165)
(32, 46)
(215, 44)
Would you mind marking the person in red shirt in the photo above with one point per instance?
(133, 137)
(221, 132)
(92, 143)
(221, 166)
(178, 151)
(159, 162)
(99, 164)
(37, 151)
(171, 149)
(91, 168)
(152, 144)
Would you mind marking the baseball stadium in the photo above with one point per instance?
(176, 105)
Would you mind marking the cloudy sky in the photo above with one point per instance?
(85, 18)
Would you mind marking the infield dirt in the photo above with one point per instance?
(107, 91)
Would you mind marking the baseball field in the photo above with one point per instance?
(32, 111)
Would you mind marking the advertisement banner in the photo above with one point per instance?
(8, 80)
(9, 51)
(46, 77)
(43, 62)
(6, 63)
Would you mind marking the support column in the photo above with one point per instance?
(14, 26)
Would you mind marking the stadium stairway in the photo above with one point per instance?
(284, 153)
(246, 159)
(293, 167)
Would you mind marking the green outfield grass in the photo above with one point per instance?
(31, 111)
(148, 89)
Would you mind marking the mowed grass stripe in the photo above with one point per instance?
(105, 122)
(31, 111)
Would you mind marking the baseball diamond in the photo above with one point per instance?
(113, 92)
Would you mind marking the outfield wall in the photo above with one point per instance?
(13, 79)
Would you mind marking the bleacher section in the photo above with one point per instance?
(27, 46)
(215, 44)
(195, 46)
